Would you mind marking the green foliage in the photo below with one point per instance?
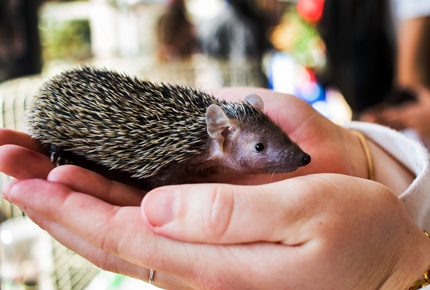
(65, 40)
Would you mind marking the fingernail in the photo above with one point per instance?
(159, 206)
(7, 187)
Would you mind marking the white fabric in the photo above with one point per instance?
(408, 9)
(414, 156)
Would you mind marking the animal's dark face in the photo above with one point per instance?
(262, 148)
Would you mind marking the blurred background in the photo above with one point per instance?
(202, 43)
(340, 56)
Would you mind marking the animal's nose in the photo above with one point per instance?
(306, 159)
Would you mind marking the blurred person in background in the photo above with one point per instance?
(413, 72)
(379, 58)
(175, 34)
(20, 52)
(238, 32)
(360, 50)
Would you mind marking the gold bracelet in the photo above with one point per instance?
(365, 145)
(426, 280)
(422, 282)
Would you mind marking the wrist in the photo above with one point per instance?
(422, 282)
(387, 169)
(412, 266)
(367, 153)
(357, 156)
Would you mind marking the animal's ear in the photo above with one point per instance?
(216, 121)
(255, 101)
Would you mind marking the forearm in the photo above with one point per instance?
(400, 164)
(413, 262)
(389, 170)
(413, 54)
(369, 160)
(410, 155)
(397, 159)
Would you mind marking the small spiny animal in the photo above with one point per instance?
(156, 134)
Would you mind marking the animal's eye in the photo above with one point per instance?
(259, 147)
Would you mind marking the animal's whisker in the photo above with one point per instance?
(302, 128)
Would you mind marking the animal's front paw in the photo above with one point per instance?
(57, 156)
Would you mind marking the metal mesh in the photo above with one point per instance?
(71, 272)
(14, 96)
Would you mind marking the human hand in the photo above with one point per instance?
(413, 115)
(76, 185)
(323, 231)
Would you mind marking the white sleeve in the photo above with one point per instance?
(408, 9)
(412, 155)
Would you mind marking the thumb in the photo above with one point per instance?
(222, 213)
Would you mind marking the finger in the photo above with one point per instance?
(22, 163)
(281, 212)
(117, 230)
(398, 118)
(63, 205)
(84, 180)
(221, 213)
(8, 136)
(122, 233)
(99, 257)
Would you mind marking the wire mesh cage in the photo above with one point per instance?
(14, 97)
(71, 272)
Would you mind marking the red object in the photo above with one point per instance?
(310, 10)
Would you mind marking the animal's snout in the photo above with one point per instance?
(306, 159)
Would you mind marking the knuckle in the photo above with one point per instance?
(108, 242)
(217, 220)
(106, 262)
